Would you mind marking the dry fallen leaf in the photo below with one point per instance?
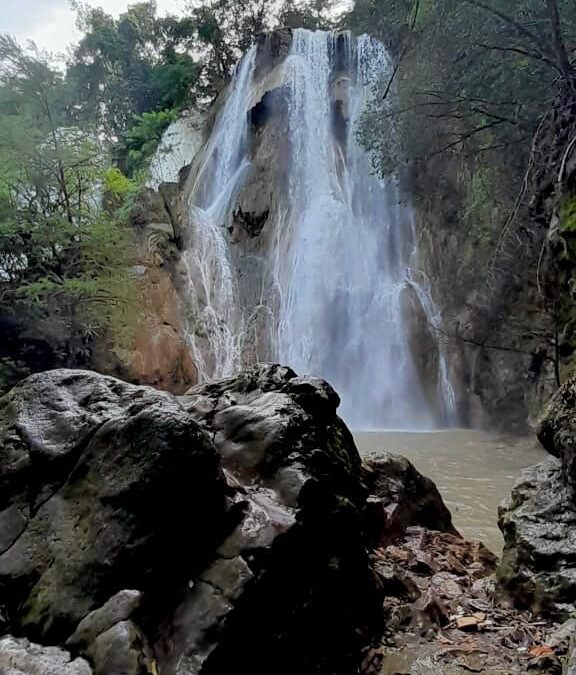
(464, 622)
(543, 650)
(444, 640)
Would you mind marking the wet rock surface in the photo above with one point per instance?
(538, 567)
(400, 496)
(21, 657)
(97, 473)
(234, 514)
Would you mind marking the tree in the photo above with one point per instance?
(310, 14)
(227, 28)
(128, 66)
(64, 258)
(480, 80)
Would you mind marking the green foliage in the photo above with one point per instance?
(131, 65)
(225, 29)
(116, 184)
(473, 80)
(64, 254)
(312, 14)
(568, 215)
(142, 138)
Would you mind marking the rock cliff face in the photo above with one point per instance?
(160, 355)
(493, 387)
(512, 308)
(538, 565)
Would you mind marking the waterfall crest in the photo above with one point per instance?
(339, 268)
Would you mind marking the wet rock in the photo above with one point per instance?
(101, 514)
(401, 497)
(298, 550)
(119, 608)
(557, 430)
(273, 48)
(253, 223)
(21, 657)
(119, 651)
(235, 510)
(538, 565)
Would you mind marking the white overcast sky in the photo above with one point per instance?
(51, 23)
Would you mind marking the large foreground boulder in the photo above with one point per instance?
(538, 567)
(103, 486)
(234, 516)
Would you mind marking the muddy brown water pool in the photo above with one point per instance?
(473, 470)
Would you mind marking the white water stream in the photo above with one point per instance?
(351, 244)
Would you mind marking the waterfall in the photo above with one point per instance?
(215, 326)
(349, 248)
(343, 256)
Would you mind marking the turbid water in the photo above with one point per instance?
(473, 470)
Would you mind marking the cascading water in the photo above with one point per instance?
(223, 164)
(342, 259)
(348, 247)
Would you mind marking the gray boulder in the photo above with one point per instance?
(21, 657)
(236, 511)
(538, 566)
(401, 497)
(119, 651)
(101, 483)
(557, 430)
(119, 608)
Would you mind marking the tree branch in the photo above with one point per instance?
(565, 66)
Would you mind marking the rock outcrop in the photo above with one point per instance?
(401, 497)
(102, 482)
(538, 566)
(233, 514)
(158, 354)
(20, 657)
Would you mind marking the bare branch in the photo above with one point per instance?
(464, 137)
(520, 29)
